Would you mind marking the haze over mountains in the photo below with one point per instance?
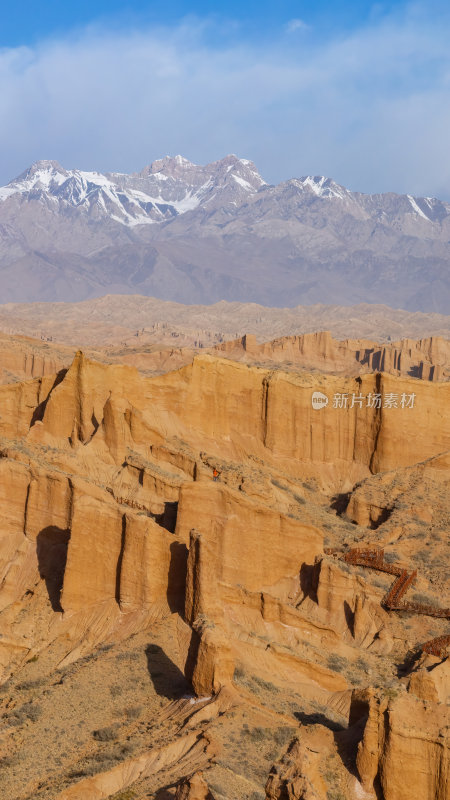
(200, 234)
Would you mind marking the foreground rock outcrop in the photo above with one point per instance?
(255, 647)
(405, 744)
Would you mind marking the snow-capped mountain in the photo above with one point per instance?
(193, 233)
(163, 190)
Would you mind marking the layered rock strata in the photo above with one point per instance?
(112, 524)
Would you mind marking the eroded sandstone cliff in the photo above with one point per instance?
(116, 543)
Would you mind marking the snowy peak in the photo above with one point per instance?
(93, 193)
(428, 208)
(201, 233)
(40, 169)
(43, 175)
(179, 168)
(169, 166)
(323, 187)
(173, 185)
(241, 170)
(384, 207)
(185, 186)
(163, 190)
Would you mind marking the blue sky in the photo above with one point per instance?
(28, 21)
(359, 91)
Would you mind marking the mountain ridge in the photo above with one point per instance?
(191, 233)
(171, 166)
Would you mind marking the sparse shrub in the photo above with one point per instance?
(133, 712)
(128, 656)
(253, 682)
(14, 719)
(28, 711)
(107, 734)
(257, 734)
(33, 659)
(298, 499)
(423, 599)
(336, 662)
(265, 684)
(391, 557)
(116, 690)
(423, 555)
(128, 794)
(33, 684)
(283, 735)
(7, 762)
(391, 693)
(85, 659)
(82, 772)
(103, 648)
(114, 753)
(122, 750)
(104, 760)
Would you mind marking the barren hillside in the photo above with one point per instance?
(133, 320)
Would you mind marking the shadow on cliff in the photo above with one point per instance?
(347, 741)
(166, 677)
(383, 516)
(339, 503)
(316, 718)
(168, 519)
(39, 411)
(309, 578)
(51, 550)
(176, 584)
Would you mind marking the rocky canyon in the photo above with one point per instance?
(213, 586)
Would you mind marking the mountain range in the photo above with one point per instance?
(199, 234)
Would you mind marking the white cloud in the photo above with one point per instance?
(296, 25)
(370, 109)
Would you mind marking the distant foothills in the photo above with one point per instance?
(199, 234)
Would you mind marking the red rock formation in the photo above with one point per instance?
(111, 521)
(194, 788)
(404, 745)
(427, 359)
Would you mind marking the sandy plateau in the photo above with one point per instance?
(280, 633)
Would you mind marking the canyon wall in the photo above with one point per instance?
(111, 522)
(428, 359)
